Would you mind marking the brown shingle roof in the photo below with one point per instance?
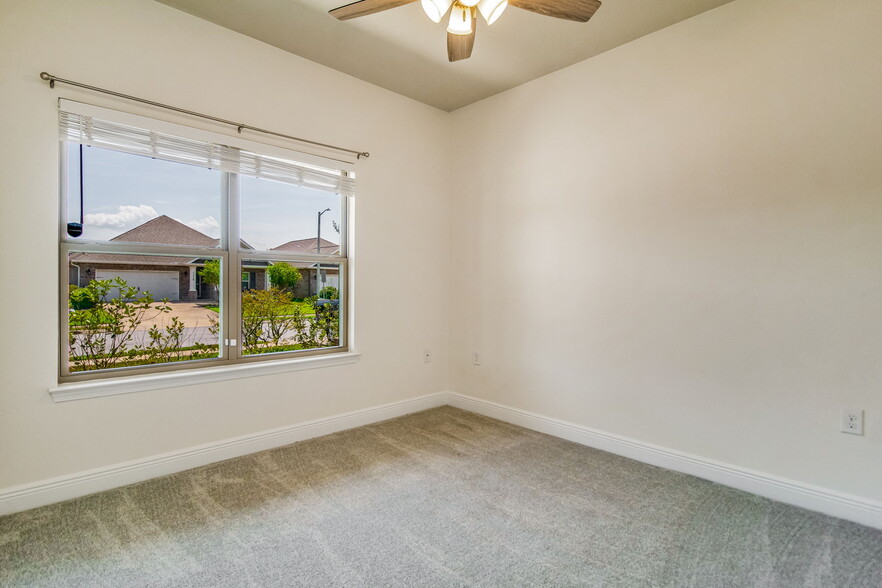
(166, 230)
(162, 229)
(308, 246)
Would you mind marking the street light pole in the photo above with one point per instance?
(318, 250)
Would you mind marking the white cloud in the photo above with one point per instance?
(208, 225)
(126, 218)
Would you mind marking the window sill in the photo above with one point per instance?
(124, 385)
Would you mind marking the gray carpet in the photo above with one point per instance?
(439, 498)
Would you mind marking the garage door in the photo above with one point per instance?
(159, 284)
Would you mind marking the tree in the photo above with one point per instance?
(210, 274)
(283, 275)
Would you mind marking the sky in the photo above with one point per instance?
(122, 191)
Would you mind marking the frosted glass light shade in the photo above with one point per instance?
(491, 9)
(469, 3)
(460, 20)
(436, 9)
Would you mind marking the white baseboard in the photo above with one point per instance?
(27, 496)
(852, 508)
(837, 504)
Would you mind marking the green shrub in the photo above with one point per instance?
(283, 275)
(101, 335)
(80, 298)
(267, 316)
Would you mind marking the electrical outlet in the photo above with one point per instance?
(853, 421)
(427, 356)
(476, 358)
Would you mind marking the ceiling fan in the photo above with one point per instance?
(463, 15)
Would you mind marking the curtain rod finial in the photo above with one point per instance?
(364, 154)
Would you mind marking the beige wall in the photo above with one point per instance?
(147, 49)
(702, 209)
(677, 241)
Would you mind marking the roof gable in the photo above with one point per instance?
(308, 246)
(166, 230)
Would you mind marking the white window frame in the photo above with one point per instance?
(231, 363)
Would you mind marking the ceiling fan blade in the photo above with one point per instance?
(365, 7)
(577, 10)
(460, 46)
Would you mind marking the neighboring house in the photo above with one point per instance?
(312, 281)
(309, 246)
(177, 278)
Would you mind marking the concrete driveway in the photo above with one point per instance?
(196, 319)
(191, 314)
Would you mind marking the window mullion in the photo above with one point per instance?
(63, 271)
(344, 223)
(139, 248)
(232, 278)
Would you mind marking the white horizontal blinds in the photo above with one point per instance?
(88, 130)
(282, 170)
(110, 135)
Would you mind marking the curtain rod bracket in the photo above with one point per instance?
(239, 126)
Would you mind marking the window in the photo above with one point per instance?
(182, 248)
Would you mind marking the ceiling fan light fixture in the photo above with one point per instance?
(491, 10)
(464, 15)
(436, 9)
(460, 20)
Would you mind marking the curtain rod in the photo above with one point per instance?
(239, 126)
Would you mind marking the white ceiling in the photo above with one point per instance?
(403, 51)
